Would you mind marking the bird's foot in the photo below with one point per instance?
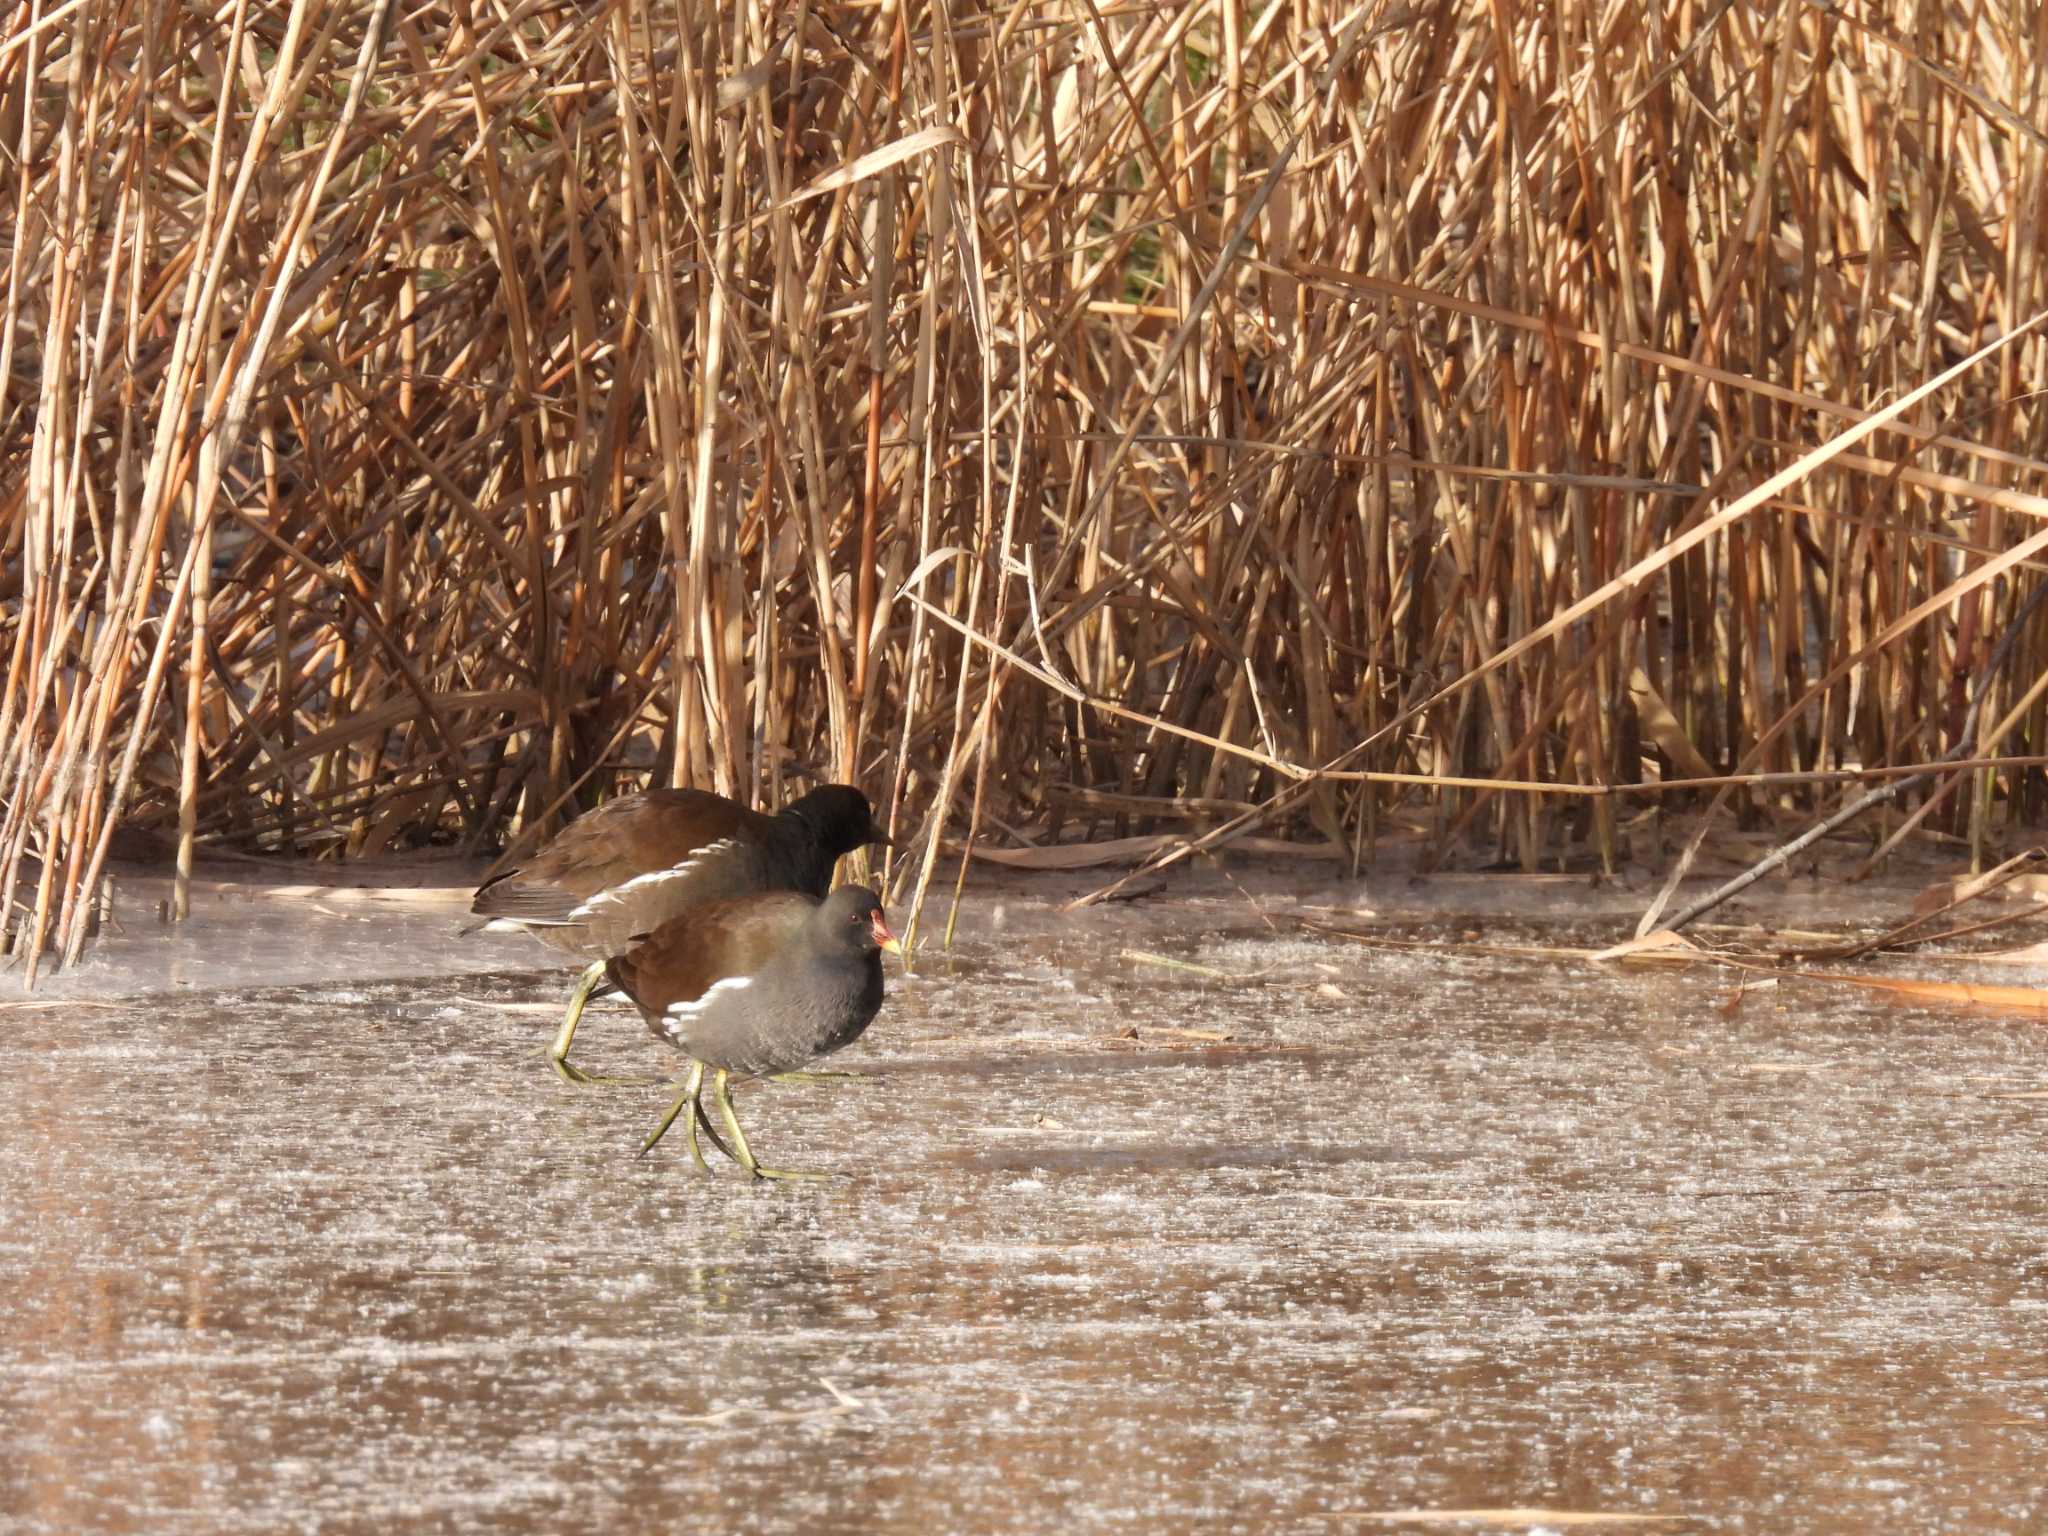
(792, 1175)
(576, 1076)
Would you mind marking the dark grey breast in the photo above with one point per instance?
(762, 984)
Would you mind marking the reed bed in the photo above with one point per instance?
(1068, 420)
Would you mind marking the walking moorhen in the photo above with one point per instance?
(757, 986)
(636, 862)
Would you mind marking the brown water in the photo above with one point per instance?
(1426, 1232)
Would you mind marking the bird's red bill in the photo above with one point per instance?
(883, 936)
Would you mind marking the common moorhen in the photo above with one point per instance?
(756, 987)
(634, 863)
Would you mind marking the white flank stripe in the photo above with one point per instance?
(652, 877)
(697, 1005)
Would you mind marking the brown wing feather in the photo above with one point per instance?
(620, 840)
(681, 959)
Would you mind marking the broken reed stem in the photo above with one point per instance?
(1341, 415)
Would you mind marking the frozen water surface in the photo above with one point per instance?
(297, 1232)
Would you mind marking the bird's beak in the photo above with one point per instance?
(877, 835)
(885, 938)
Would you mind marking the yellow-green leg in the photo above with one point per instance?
(699, 1118)
(742, 1153)
(687, 1096)
(692, 1095)
(558, 1053)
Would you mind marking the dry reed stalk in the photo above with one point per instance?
(416, 423)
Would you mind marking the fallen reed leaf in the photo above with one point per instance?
(63, 1002)
(1663, 944)
(1965, 993)
(1950, 893)
(1168, 962)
